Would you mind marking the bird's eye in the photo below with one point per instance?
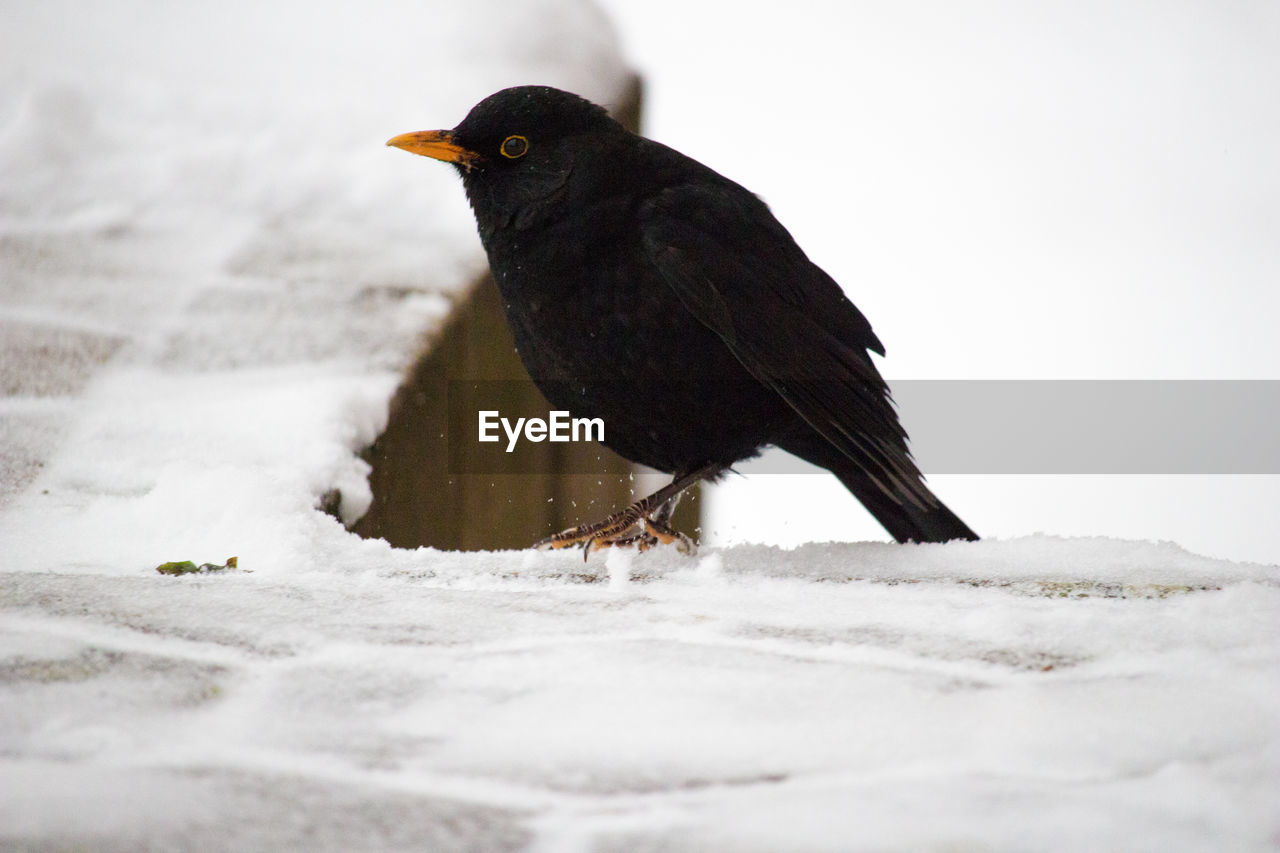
(514, 147)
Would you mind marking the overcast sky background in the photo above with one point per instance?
(1007, 190)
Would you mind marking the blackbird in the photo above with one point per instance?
(647, 290)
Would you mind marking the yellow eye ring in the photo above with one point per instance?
(514, 147)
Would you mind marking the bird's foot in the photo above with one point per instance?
(644, 524)
(626, 529)
(650, 533)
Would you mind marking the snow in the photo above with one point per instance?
(218, 263)
(1044, 693)
(213, 273)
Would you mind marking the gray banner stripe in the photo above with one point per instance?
(1093, 427)
(1018, 427)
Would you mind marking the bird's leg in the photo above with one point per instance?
(651, 514)
(656, 530)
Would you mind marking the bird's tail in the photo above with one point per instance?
(906, 521)
(915, 517)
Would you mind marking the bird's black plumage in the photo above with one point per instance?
(645, 289)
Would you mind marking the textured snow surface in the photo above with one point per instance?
(214, 271)
(1036, 693)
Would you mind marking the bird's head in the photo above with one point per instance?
(517, 146)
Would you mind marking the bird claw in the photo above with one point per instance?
(644, 524)
(619, 531)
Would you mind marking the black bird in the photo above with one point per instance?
(645, 289)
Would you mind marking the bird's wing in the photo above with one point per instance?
(737, 270)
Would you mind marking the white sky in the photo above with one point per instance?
(1008, 190)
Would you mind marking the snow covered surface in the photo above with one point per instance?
(212, 274)
(1030, 694)
(214, 271)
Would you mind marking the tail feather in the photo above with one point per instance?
(905, 520)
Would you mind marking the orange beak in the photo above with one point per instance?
(436, 144)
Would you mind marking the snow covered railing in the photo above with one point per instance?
(215, 274)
